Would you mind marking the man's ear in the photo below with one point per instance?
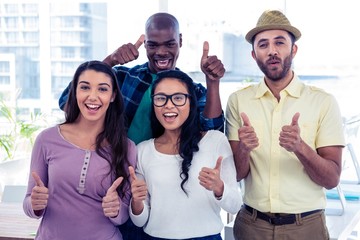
(294, 50)
(180, 39)
(253, 54)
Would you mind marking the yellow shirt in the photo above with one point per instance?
(277, 181)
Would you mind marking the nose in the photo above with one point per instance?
(169, 103)
(161, 49)
(93, 95)
(273, 50)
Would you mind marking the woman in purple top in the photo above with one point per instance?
(79, 181)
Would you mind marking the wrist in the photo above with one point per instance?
(218, 192)
(212, 84)
(137, 207)
(218, 197)
(108, 61)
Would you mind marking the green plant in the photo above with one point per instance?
(16, 130)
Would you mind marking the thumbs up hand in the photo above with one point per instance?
(290, 135)
(211, 66)
(39, 194)
(247, 135)
(210, 178)
(138, 191)
(125, 53)
(110, 202)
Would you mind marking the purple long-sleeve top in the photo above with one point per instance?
(77, 180)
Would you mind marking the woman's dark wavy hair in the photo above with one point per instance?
(190, 135)
(114, 126)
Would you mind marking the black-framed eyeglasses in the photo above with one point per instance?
(178, 99)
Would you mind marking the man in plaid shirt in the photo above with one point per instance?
(162, 41)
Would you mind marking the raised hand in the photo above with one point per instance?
(126, 53)
(138, 191)
(211, 66)
(247, 135)
(290, 135)
(39, 194)
(111, 202)
(210, 178)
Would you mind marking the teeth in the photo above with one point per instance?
(170, 114)
(163, 63)
(92, 106)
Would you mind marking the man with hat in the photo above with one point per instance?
(287, 141)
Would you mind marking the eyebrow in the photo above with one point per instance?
(86, 82)
(154, 42)
(162, 93)
(280, 37)
(100, 84)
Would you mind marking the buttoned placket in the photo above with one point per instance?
(84, 169)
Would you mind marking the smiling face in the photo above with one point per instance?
(94, 93)
(162, 48)
(162, 42)
(171, 117)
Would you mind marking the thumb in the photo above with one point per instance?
(245, 119)
(205, 50)
(115, 185)
(140, 41)
(132, 174)
(37, 179)
(295, 119)
(218, 163)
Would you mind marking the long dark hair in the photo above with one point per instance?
(190, 135)
(114, 131)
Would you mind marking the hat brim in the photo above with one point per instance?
(293, 30)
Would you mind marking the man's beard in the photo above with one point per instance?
(276, 74)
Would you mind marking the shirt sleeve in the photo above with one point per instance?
(141, 219)
(330, 131)
(64, 96)
(233, 121)
(123, 215)
(38, 165)
(207, 123)
(231, 200)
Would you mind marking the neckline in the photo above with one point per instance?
(176, 155)
(72, 144)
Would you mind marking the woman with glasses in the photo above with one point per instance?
(184, 176)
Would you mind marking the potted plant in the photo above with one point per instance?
(16, 133)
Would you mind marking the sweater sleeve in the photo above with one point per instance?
(64, 96)
(123, 215)
(231, 200)
(38, 165)
(141, 219)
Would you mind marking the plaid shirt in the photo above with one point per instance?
(135, 81)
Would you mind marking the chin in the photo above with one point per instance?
(159, 69)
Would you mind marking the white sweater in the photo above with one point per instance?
(169, 212)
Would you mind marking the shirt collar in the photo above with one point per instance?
(293, 89)
(145, 68)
